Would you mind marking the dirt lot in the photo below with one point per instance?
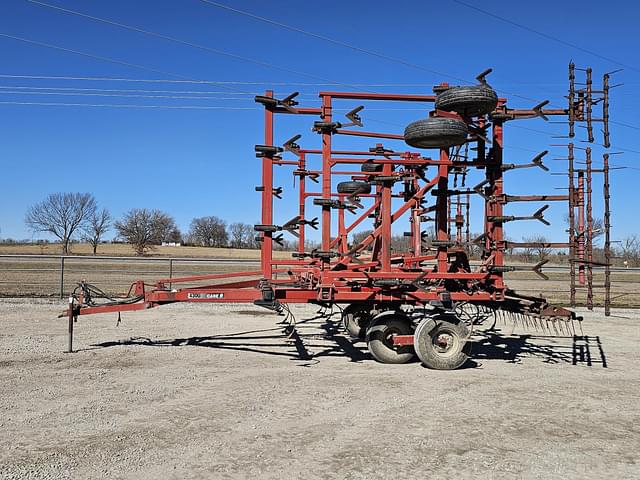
(202, 391)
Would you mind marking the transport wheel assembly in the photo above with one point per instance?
(380, 338)
(441, 342)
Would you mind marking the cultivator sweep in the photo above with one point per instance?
(424, 297)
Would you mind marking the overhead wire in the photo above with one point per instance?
(252, 60)
(190, 93)
(216, 82)
(546, 35)
(98, 57)
(119, 95)
(181, 107)
(121, 90)
(330, 40)
(212, 107)
(221, 52)
(351, 46)
(558, 40)
(199, 46)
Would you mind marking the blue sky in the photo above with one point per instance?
(196, 162)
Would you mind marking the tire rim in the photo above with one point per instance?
(445, 343)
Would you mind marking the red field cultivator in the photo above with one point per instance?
(421, 300)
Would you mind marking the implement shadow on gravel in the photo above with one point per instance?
(576, 350)
(287, 341)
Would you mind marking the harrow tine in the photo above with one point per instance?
(543, 322)
(555, 327)
(573, 327)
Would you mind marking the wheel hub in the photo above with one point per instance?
(443, 342)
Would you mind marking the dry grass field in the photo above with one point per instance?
(124, 250)
(38, 275)
(221, 392)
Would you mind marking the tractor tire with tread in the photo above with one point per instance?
(354, 188)
(468, 101)
(441, 342)
(356, 319)
(371, 167)
(380, 343)
(436, 132)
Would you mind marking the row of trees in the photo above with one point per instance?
(70, 216)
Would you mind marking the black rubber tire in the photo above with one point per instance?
(356, 319)
(436, 132)
(371, 167)
(470, 101)
(354, 187)
(438, 357)
(379, 339)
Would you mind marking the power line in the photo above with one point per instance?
(191, 93)
(350, 46)
(120, 95)
(635, 127)
(222, 82)
(217, 51)
(330, 40)
(121, 90)
(185, 43)
(545, 35)
(104, 59)
(89, 55)
(115, 105)
(206, 107)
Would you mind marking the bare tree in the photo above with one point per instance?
(144, 228)
(209, 232)
(629, 250)
(540, 250)
(99, 223)
(242, 235)
(598, 226)
(61, 214)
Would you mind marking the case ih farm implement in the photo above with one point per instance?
(425, 299)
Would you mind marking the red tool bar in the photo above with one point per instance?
(422, 161)
(303, 111)
(214, 276)
(358, 133)
(351, 152)
(379, 96)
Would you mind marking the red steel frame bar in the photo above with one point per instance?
(607, 236)
(572, 236)
(589, 239)
(581, 229)
(266, 251)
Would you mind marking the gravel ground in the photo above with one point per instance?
(145, 400)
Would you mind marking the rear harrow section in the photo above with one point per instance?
(425, 295)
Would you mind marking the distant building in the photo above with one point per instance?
(171, 244)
